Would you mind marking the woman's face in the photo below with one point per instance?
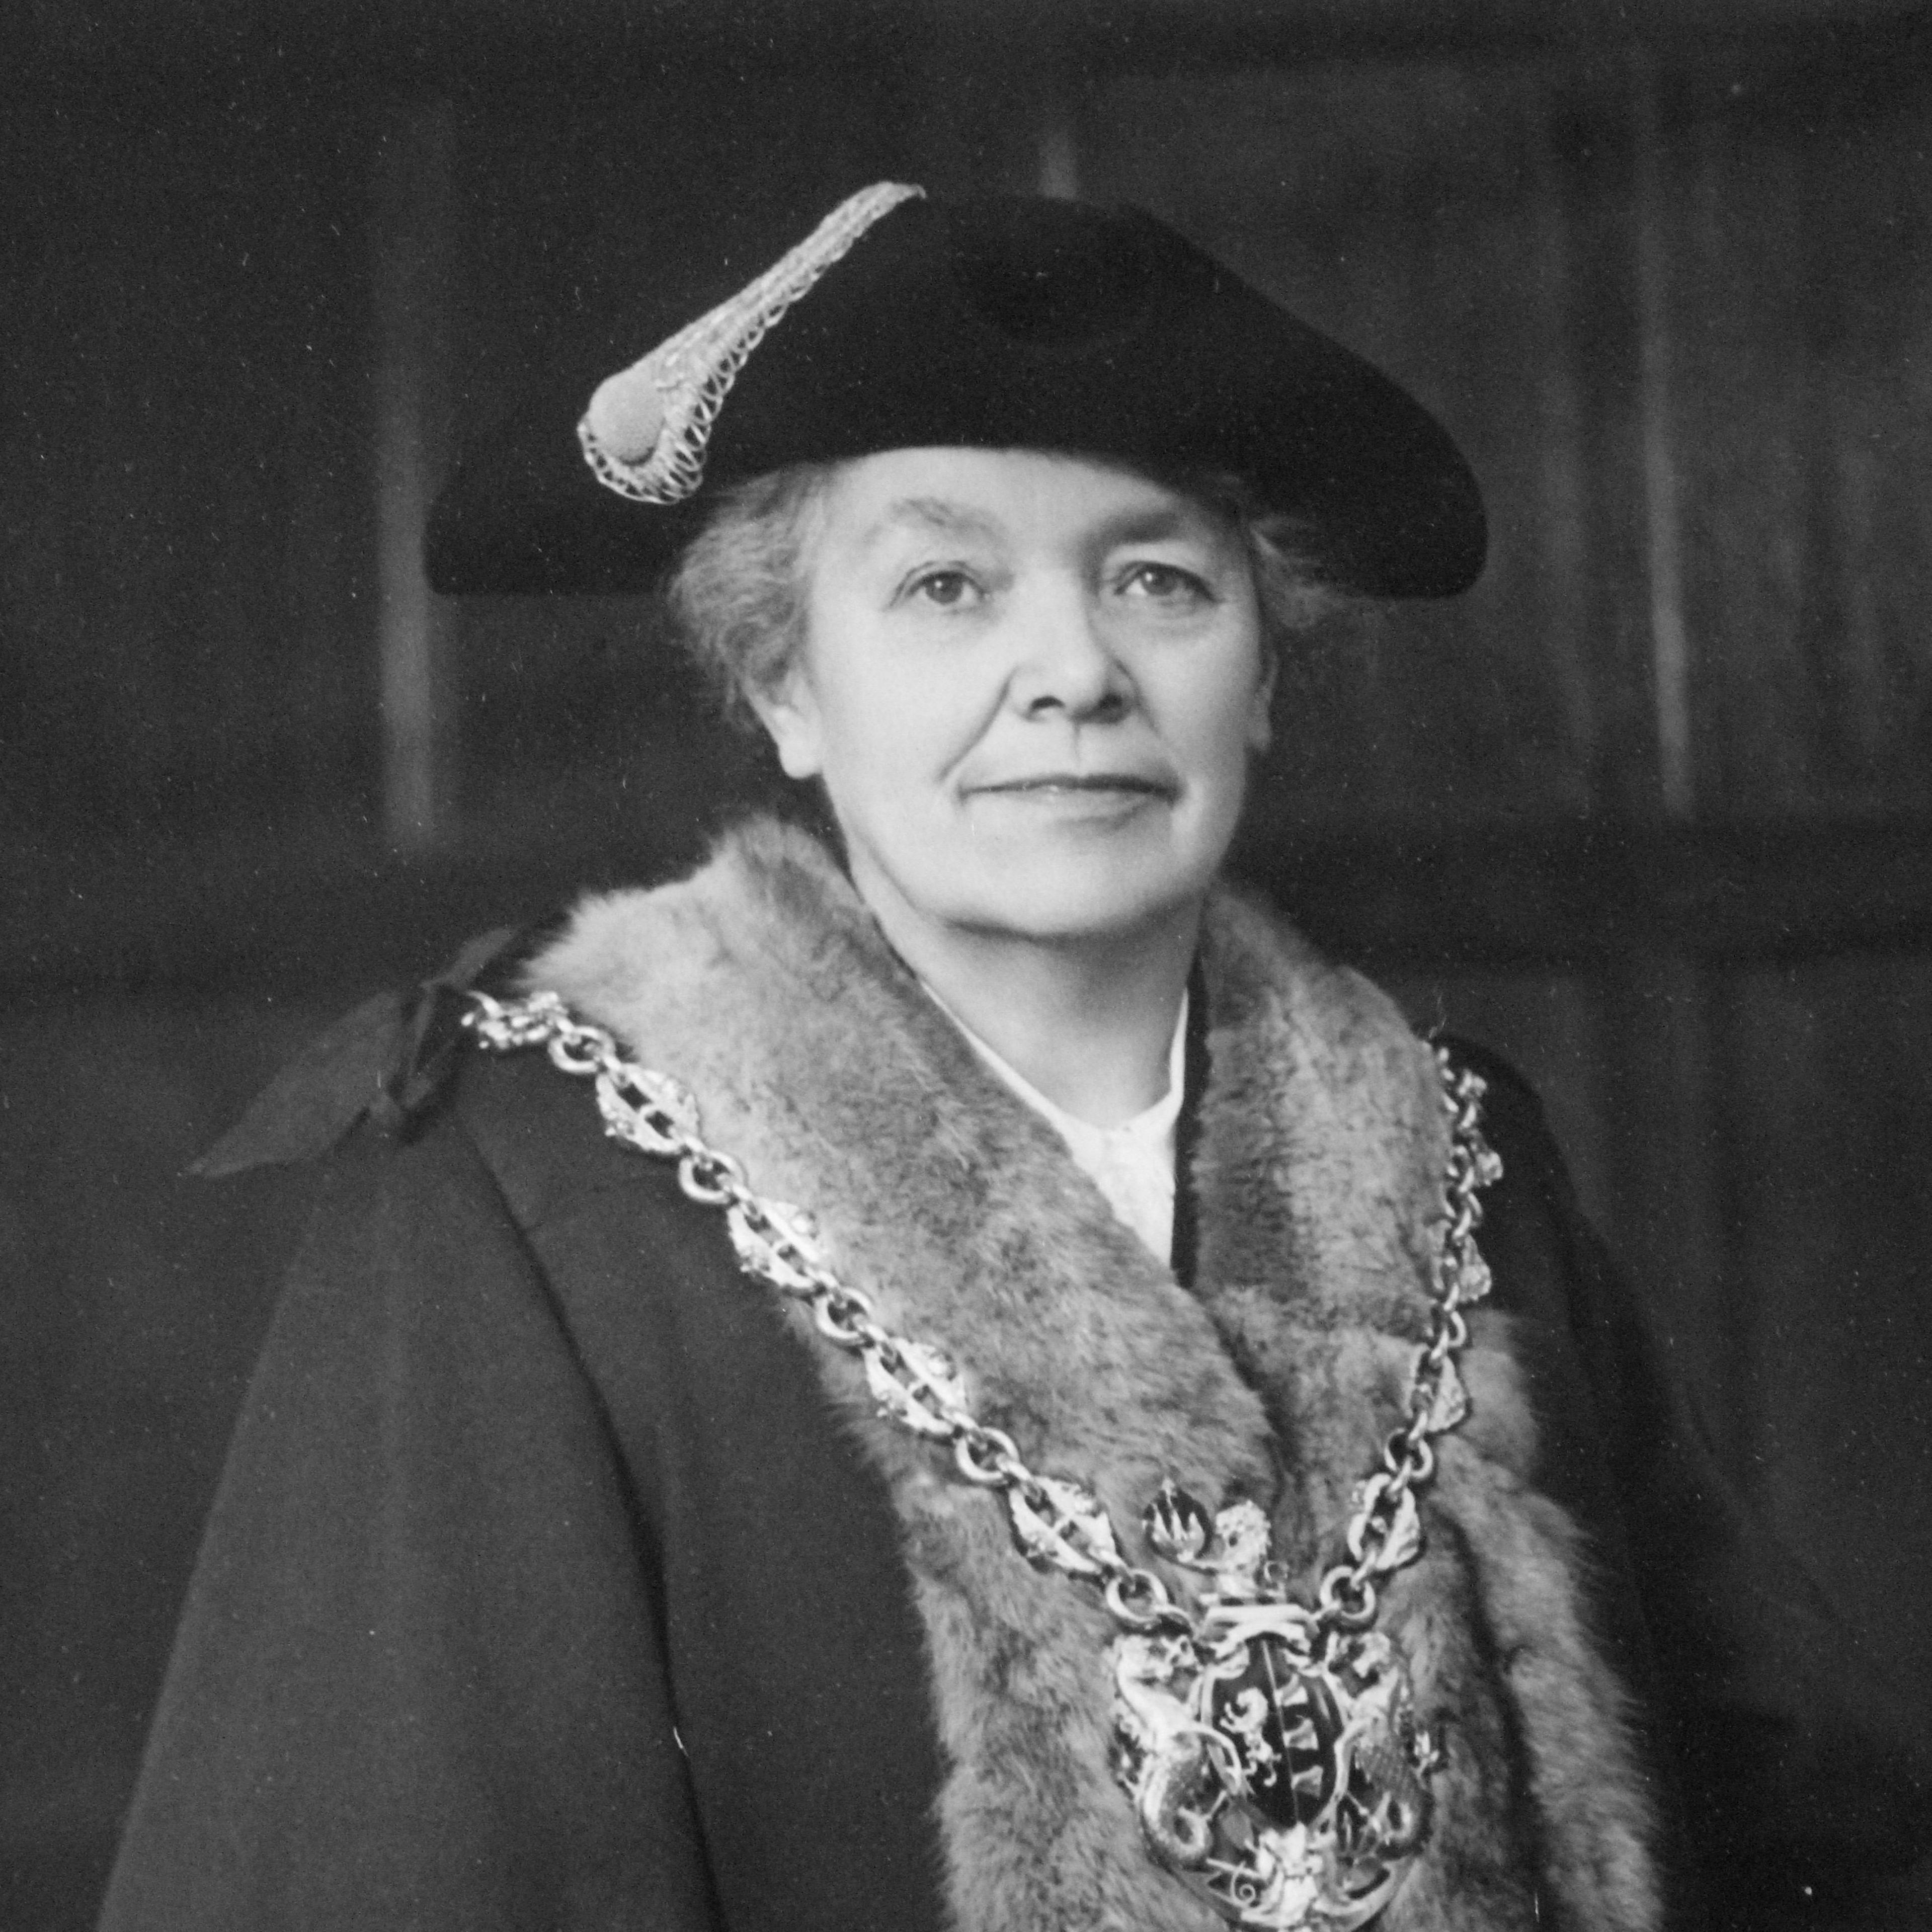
(1030, 684)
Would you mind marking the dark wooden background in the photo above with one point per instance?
(1651, 808)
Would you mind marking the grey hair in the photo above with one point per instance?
(737, 599)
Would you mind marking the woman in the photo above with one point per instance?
(985, 1407)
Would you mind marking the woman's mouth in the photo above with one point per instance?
(1099, 802)
(1099, 784)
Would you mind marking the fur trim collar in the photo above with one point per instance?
(762, 982)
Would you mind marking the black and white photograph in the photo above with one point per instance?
(967, 966)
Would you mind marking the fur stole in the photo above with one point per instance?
(762, 982)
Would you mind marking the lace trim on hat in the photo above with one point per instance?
(645, 432)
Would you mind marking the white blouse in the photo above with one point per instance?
(1132, 1164)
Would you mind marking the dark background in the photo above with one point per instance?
(1651, 808)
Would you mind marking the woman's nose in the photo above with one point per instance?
(1066, 664)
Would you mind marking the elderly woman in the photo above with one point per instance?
(963, 1388)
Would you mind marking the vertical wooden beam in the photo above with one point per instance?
(1673, 1011)
(1057, 142)
(1669, 639)
(1563, 493)
(413, 244)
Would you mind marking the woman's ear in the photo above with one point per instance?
(1260, 720)
(788, 710)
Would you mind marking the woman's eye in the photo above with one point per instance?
(1165, 583)
(949, 590)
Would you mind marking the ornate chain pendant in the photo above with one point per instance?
(1277, 1768)
(1271, 1751)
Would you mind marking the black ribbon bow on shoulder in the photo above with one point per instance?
(386, 1062)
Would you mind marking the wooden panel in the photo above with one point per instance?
(181, 469)
(1831, 1220)
(1681, 320)
(1798, 214)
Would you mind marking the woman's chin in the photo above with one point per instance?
(1057, 903)
(1070, 879)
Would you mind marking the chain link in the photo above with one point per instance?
(1384, 1534)
(776, 1244)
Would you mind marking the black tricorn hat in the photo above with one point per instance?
(1005, 322)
